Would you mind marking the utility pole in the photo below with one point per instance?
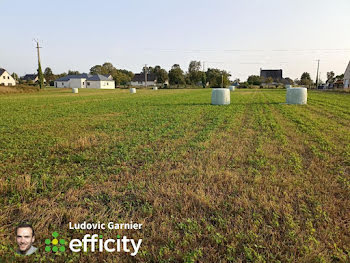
(318, 67)
(37, 47)
(146, 69)
(40, 73)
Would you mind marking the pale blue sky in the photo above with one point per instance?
(238, 36)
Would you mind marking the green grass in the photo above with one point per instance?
(255, 181)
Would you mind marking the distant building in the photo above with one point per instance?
(108, 76)
(85, 81)
(347, 77)
(31, 77)
(139, 80)
(6, 79)
(275, 74)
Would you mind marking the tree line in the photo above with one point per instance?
(175, 76)
(305, 79)
(212, 77)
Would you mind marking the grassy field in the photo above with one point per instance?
(255, 181)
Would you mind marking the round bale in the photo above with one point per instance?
(296, 95)
(220, 96)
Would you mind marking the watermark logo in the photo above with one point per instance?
(93, 243)
(55, 244)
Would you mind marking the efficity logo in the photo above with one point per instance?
(93, 243)
(55, 244)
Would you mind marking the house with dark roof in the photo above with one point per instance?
(6, 79)
(347, 77)
(275, 74)
(140, 80)
(85, 81)
(31, 78)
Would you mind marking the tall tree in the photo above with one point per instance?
(330, 77)
(305, 79)
(48, 72)
(161, 74)
(48, 75)
(108, 68)
(40, 76)
(176, 75)
(194, 73)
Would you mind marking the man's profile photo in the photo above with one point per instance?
(25, 237)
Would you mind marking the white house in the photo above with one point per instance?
(6, 79)
(139, 80)
(86, 81)
(347, 77)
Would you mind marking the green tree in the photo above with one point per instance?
(127, 72)
(288, 81)
(107, 68)
(194, 73)
(330, 77)
(73, 72)
(254, 80)
(15, 76)
(161, 74)
(40, 76)
(120, 76)
(176, 75)
(148, 70)
(217, 77)
(49, 76)
(97, 69)
(305, 79)
(204, 80)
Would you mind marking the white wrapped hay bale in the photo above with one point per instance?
(155, 88)
(75, 90)
(220, 97)
(296, 95)
(232, 88)
(132, 90)
(288, 86)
